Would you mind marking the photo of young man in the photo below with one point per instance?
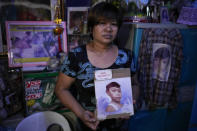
(161, 62)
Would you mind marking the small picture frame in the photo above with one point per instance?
(77, 20)
(164, 16)
(33, 43)
(113, 91)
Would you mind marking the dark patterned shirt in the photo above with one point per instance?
(78, 66)
(159, 62)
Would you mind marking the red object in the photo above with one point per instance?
(58, 30)
(59, 43)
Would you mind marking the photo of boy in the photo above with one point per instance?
(113, 97)
(161, 62)
(114, 91)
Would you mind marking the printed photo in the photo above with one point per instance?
(39, 92)
(77, 20)
(164, 16)
(161, 61)
(33, 42)
(114, 97)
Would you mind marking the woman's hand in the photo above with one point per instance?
(89, 120)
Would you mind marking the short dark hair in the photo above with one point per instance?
(106, 11)
(162, 53)
(112, 84)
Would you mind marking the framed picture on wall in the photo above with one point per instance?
(188, 16)
(164, 16)
(33, 43)
(77, 20)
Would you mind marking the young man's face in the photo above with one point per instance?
(115, 94)
(161, 64)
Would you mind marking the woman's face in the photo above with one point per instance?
(115, 94)
(105, 32)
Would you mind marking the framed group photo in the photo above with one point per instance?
(77, 20)
(33, 43)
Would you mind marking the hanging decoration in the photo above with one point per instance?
(58, 30)
(54, 62)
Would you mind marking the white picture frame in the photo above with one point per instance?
(77, 20)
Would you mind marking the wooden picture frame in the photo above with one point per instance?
(77, 20)
(32, 43)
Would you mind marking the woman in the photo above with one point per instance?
(104, 20)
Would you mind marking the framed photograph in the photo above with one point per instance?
(164, 16)
(39, 92)
(32, 43)
(77, 20)
(188, 16)
(113, 92)
(161, 61)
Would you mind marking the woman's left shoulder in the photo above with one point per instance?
(124, 50)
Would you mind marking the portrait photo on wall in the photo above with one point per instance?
(33, 43)
(77, 20)
(164, 16)
(113, 92)
(161, 61)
